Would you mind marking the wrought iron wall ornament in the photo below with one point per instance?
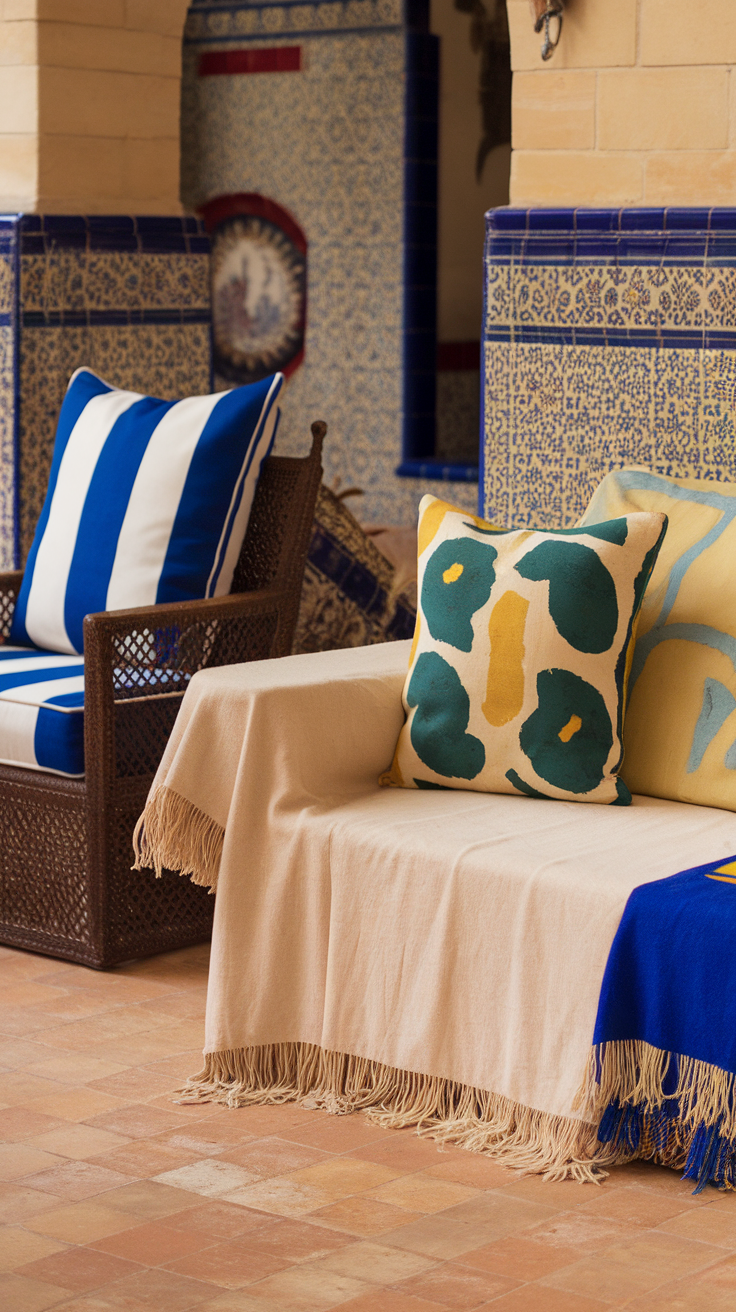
(489, 35)
(544, 12)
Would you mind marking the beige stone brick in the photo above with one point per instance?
(151, 170)
(108, 13)
(663, 109)
(18, 43)
(547, 177)
(81, 103)
(683, 32)
(18, 171)
(113, 49)
(13, 10)
(165, 16)
(594, 35)
(72, 167)
(553, 110)
(19, 99)
(683, 177)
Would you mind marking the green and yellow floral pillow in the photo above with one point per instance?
(517, 674)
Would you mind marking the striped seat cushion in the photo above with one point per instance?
(42, 710)
(148, 501)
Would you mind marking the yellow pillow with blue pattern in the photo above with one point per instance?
(680, 727)
(517, 673)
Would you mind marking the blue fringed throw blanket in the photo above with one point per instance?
(661, 1078)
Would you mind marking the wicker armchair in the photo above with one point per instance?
(66, 885)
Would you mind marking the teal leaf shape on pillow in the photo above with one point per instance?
(582, 593)
(569, 736)
(457, 582)
(441, 718)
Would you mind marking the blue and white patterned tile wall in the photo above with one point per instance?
(328, 144)
(609, 339)
(128, 297)
(8, 264)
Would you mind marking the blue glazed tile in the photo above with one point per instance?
(504, 248)
(30, 223)
(641, 248)
(596, 247)
(641, 220)
(541, 250)
(692, 248)
(506, 220)
(199, 245)
(155, 223)
(551, 220)
(60, 224)
(420, 141)
(33, 243)
(676, 219)
(67, 241)
(597, 220)
(163, 243)
(722, 247)
(420, 266)
(722, 218)
(107, 223)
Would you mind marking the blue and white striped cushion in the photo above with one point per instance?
(42, 710)
(148, 501)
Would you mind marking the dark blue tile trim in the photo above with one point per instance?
(107, 318)
(7, 320)
(113, 232)
(420, 246)
(436, 469)
(660, 338)
(677, 236)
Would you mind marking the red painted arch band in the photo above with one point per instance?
(267, 59)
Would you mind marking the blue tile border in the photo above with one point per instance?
(110, 318)
(144, 234)
(676, 236)
(419, 332)
(448, 473)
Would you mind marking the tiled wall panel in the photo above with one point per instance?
(328, 143)
(127, 297)
(609, 339)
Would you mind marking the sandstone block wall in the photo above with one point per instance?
(89, 105)
(636, 107)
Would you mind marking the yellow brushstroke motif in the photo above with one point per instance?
(505, 689)
(452, 574)
(723, 879)
(430, 522)
(415, 639)
(571, 728)
(728, 869)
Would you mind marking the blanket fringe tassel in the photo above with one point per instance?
(557, 1147)
(172, 834)
(663, 1106)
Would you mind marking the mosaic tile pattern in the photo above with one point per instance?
(168, 360)
(610, 339)
(330, 148)
(7, 448)
(218, 21)
(129, 297)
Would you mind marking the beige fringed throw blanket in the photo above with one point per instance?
(435, 958)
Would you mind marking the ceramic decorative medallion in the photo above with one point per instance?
(259, 269)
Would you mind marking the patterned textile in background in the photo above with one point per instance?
(349, 597)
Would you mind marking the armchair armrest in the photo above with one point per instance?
(10, 581)
(139, 662)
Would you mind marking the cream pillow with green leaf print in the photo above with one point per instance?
(517, 674)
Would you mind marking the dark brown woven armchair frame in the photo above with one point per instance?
(66, 884)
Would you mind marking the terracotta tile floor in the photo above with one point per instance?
(114, 1197)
